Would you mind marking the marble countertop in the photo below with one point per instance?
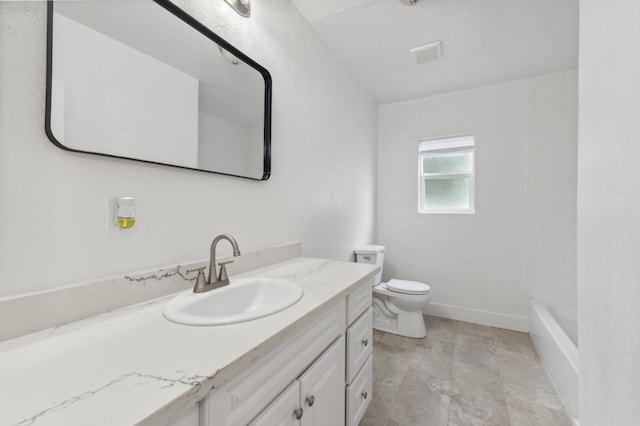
(132, 366)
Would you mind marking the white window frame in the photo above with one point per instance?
(462, 144)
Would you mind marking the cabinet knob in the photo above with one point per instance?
(310, 400)
(365, 394)
(365, 342)
(298, 413)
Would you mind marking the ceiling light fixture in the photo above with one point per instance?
(409, 2)
(243, 7)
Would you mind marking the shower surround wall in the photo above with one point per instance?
(477, 264)
(551, 228)
(53, 213)
(552, 185)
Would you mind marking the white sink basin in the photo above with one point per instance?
(242, 300)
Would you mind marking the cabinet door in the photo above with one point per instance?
(322, 388)
(283, 411)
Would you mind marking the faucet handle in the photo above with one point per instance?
(201, 281)
(222, 275)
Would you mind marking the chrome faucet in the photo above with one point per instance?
(220, 279)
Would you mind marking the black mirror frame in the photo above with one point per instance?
(201, 28)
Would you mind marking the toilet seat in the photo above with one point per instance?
(408, 287)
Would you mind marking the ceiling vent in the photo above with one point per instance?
(426, 53)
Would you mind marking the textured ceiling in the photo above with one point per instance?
(484, 41)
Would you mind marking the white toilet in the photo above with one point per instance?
(397, 304)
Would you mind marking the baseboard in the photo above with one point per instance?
(477, 316)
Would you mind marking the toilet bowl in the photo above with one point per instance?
(397, 304)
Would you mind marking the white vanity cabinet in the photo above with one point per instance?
(307, 379)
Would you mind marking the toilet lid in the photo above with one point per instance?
(408, 287)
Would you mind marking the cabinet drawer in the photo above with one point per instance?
(359, 343)
(359, 394)
(358, 301)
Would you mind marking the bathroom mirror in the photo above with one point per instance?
(143, 80)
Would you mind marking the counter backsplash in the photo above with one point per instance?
(28, 313)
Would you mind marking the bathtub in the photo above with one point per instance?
(553, 329)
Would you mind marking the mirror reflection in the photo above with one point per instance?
(140, 79)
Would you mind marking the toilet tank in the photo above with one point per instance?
(372, 254)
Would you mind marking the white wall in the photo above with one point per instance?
(521, 241)
(109, 111)
(552, 162)
(53, 202)
(475, 264)
(609, 213)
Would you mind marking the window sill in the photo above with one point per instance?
(444, 211)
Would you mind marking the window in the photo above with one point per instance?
(446, 174)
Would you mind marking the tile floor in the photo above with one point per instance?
(461, 375)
